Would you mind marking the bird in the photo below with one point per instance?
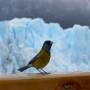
(40, 60)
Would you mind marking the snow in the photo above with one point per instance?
(21, 39)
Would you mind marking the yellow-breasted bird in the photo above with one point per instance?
(41, 59)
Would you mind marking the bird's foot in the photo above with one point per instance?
(45, 73)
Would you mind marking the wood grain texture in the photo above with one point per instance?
(73, 81)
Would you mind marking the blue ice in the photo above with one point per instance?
(21, 39)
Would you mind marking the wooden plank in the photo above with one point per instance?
(73, 81)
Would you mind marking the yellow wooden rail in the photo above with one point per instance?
(74, 81)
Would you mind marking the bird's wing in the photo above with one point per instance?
(36, 57)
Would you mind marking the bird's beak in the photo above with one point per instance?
(51, 42)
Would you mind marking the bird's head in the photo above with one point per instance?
(48, 42)
(47, 45)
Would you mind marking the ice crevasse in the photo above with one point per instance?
(21, 39)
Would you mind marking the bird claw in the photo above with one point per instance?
(45, 73)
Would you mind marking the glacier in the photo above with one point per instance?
(21, 39)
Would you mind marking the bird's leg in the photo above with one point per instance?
(39, 71)
(44, 72)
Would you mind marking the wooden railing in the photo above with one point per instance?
(75, 81)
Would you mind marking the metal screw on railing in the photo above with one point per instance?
(69, 85)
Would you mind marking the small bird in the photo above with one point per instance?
(41, 59)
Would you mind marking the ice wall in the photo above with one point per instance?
(21, 39)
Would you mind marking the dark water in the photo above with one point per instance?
(65, 12)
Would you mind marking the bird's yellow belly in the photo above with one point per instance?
(41, 62)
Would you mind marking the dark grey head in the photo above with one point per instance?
(48, 42)
(47, 45)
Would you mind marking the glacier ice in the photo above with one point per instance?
(21, 39)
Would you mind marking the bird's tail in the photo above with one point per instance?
(23, 68)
